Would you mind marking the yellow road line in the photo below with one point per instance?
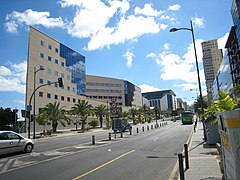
(99, 167)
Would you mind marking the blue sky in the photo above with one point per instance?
(126, 39)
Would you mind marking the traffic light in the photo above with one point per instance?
(60, 82)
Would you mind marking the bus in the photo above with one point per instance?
(187, 117)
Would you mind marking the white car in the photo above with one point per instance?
(12, 142)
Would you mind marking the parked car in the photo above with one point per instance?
(12, 142)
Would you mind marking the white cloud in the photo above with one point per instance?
(148, 88)
(129, 57)
(13, 79)
(166, 46)
(174, 67)
(175, 7)
(30, 17)
(136, 26)
(147, 10)
(187, 87)
(151, 55)
(199, 22)
(222, 41)
(4, 71)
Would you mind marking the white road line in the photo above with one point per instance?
(155, 139)
(6, 166)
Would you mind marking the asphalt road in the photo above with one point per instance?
(149, 155)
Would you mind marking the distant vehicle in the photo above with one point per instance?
(120, 125)
(187, 117)
(12, 142)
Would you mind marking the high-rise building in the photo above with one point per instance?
(235, 11)
(212, 57)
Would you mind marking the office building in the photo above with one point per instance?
(165, 99)
(212, 57)
(104, 88)
(49, 60)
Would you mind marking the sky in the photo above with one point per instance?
(123, 39)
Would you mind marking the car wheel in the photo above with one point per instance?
(28, 148)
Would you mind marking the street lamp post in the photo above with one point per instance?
(34, 100)
(199, 82)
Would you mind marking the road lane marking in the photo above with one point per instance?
(155, 139)
(101, 166)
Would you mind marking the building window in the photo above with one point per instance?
(56, 73)
(73, 89)
(68, 99)
(42, 43)
(55, 96)
(62, 64)
(68, 88)
(49, 70)
(41, 55)
(40, 80)
(62, 98)
(49, 46)
(48, 95)
(56, 85)
(40, 94)
(56, 50)
(62, 74)
(41, 67)
(49, 58)
(56, 61)
(49, 82)
(68, 77)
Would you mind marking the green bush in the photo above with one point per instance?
(93, 123)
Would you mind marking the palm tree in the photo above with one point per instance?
(56, 114)
(100, 110)
(133, 113)
(82, 109)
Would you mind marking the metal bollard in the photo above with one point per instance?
(130, 130)
(109, 136)
(121, 133)
(151, 126)
(143, 128)
(181, 170)
(93, 139)
(160, 124)
(147, 127)
(186, 156)
(137, 129)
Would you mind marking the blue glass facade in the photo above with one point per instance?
(75, 64)
(223, 80)
(235, 11)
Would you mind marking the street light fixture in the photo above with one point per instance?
(34, 100)
(199, 82)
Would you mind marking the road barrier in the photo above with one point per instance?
(109, 136)
(93, 139)
(186, 156)
(181, 170)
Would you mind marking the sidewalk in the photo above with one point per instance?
(203, 158)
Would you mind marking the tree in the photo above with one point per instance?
(55, 114)
(7, 118)
(100, 111)
(82, 109)
(133, 113)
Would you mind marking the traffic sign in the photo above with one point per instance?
(113, 99)
(113, 105)
(29, 107)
